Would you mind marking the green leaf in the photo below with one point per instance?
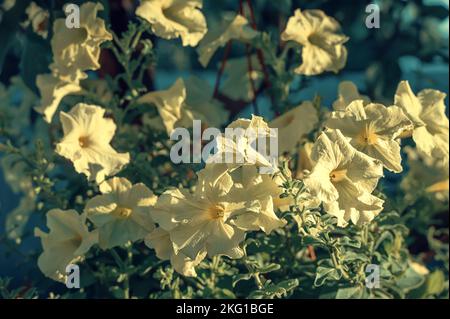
(240, 277)
(275, 291)
(268, 268)
(410, 280)
(350, 293)
(326, 273)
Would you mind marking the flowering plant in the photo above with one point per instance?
(88, 140)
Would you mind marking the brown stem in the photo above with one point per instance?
(222, 68)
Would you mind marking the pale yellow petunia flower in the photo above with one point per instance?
(295, 124)
(321, 40)
(427, 112)
(159, 240)
(122, 212)
(86, 142)
(171, 106)
(347, 93)
(204, 220)
(67, 242)
(175, 18)
(373, 129)
(76, 49)
(237, 85)
(344, 178)
(425, 175)
(53, 90)
(242, 144)
(234, 29)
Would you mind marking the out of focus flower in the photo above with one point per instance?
(38, 18)
(175, 18)
(86, 142)
(199, 98)
(53, 90)
(171, 106)
(235, 29)
(344, 178)
(122, 212)
(237, 85)
(425, 175)
(159, 240)
(321, 40)
(347, 93)
(427, 112)
(241, 144)
(373, 130)
(78, 49)
(67, 242)
(295, 124)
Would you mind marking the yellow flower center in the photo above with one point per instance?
(315, 39)
(338, 175)
(122, 212)
(79, 35)
(84, 141)
(216, 211)
(367, 136)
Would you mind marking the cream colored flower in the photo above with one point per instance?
(427, 112)
(241, 144)
(234, 29)
(248, 183)
(38, 18)
(425, 174)
(373, 130)
(344, 178)
(53, 90)
(322, 43)
(199, 98)
(175, 18)
(347, 93)
(76, 49)
(171, 106)
(295, 124)
(206, 219)
(237, 85)
(159, 240)
(67, 242)
(122, 212)
(86, 142)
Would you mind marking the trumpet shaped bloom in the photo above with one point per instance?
(205, 220)
(373, 130)
(86, 142)
(235, 29)
(347, 93)
(171, 19)
(321, 40)
(122, 212)
(295, 124)
(171, 106)
(159, 240)
(76, 49)
(66, 243)
(427, 112)
(344, 178)
(53, 90)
